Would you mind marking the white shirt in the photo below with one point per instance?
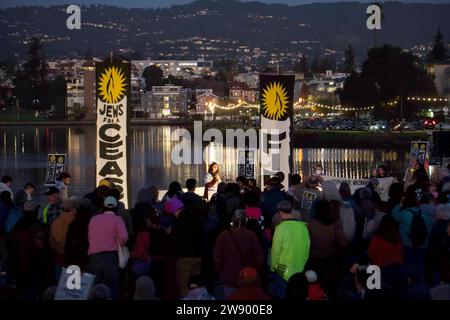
(209, 178)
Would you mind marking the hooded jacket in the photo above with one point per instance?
(290, 248)
(58, 232)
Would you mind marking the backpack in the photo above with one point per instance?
(418, 233)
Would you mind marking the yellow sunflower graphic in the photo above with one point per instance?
(112, 85)
(274, 101)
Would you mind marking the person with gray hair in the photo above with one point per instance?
(235, 249)
(286, 207)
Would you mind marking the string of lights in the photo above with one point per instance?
(434, 99)
(310, 105)
(233, 106)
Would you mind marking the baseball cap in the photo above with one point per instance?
(110, 202)
(50, 191)
(311, 276)
(173, 205)
(30, 206)
(106, 182)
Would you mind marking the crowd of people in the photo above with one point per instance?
(310, 241)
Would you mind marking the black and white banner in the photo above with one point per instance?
(113, 92)
(276, 96)
(55, 165)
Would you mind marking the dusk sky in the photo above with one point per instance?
(161, 3)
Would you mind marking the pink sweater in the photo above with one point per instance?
(104, 231)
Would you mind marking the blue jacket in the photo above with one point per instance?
(270, 199)
(14, 215)
(404, 218)
(4, 210)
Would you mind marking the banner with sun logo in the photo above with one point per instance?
(277, 97)
(113, 82)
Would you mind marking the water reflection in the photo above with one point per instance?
(24, 152)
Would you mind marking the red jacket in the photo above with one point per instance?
(141, 247)
(315, 292)
(234, 251)
(384, 253)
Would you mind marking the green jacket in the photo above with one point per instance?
(290, 248)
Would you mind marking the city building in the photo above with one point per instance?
(204, 100)
(75, 93)
(329, 83)
(250, 78)
(241, 92)
(137, 86)
(164, 102)
(80, 82)
(177, 68)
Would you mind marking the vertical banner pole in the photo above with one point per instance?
(113, 86)
(276, 112)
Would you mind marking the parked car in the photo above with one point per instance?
(443, 126)
(429, 124)
(378, 126)
(412, 126)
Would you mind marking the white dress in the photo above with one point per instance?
(213, 188)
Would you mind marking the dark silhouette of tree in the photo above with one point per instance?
(153, 76)
(438, 53)
(228, 67)
(36, 66)
(349, 64)
(302, 66)
(325, 65)
(320, 64)
(60, 95)
(315, 64)
(31, 87)
(387, 73)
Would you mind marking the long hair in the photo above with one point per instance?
(174, 189)
(210, 168)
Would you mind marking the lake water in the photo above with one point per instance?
(24, 150)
